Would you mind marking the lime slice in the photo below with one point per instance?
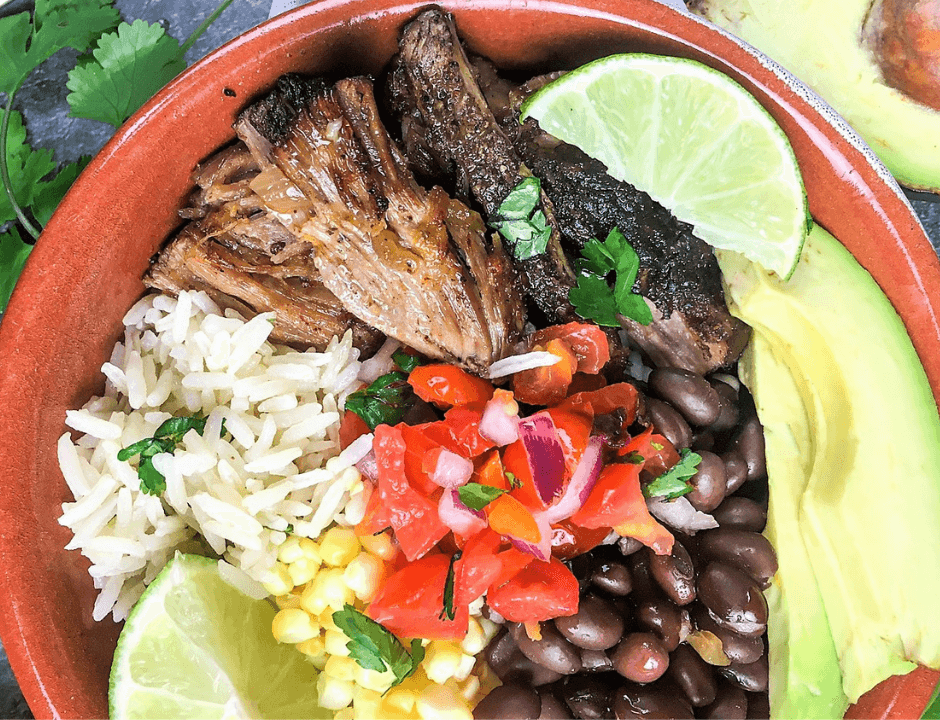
(194, 646)
(693, 139)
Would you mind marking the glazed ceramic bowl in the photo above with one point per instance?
(85, 272)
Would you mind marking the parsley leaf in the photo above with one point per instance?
(374, 647)
(519, 220)
(448, 610)
(13, 254)
(406, 361)
(49, 193)
(164, 440)
(384, 401)
(675, 482)
(593, 298)
(476, 496)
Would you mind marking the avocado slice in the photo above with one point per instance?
(853, 447)
(832, 47)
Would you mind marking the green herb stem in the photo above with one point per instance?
(197, 33)
(5, 171)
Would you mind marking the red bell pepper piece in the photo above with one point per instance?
(587, 340)
(540, 591)
(448, 385)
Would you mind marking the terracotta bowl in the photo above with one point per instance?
(85, 272)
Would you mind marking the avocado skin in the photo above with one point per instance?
(823, 44)
(853, 451)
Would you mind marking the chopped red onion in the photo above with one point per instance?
(457, 516)
(680, 514)
(500, 421)
(379, 364)
(544, 453)
(582, 482)
(368, 467)
(542, 550)
(517, 363)
(451, 469)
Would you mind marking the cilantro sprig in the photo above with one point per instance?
(674, 482)
(593, 298)
(384, 401)
(448, 610)
(476, 496)
(374, 647)
(406, 361)
(521, 222)
(164, 440)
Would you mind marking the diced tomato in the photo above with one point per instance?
(587, 340)
(478, 567)
(448, 385)
(512, 561)
(464, 425)
(418, 445)
(540, 591)
(489, 471)
(411, 602)
(547, 385)
(570, 540)
(516, 461)
(582, 382)
(657, 452)
(508, 516)
(611, 500)
(376, 517)
(609, 398)
(574, 429)
(351, 426)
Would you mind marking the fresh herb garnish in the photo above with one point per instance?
(384, 401)
(514, 482)
(675, 482)
(448, 610)
(593, 298)
(634, 458)
(406, 361)
(476, 496)
(374, 647)
(164, 440)
(519, 220)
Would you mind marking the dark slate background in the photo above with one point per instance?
(42, 100)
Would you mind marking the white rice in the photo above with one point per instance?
(277, 469)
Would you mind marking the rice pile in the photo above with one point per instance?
(276, 469)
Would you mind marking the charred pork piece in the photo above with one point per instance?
(446, 121)
(415, 264)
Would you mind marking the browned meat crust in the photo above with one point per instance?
(415, 264)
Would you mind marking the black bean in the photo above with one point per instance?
(735, 646)
(596, 625)
(728, 399)
(529, 673)
(675, 574)
(641, 657)
(704, 440)
(643, 584)
(741, 513)
(512, 701)
(735, 599)
(629, 545)
(662, 617)
(749, 551)
(687, 392)
(552, 651)
(669, 423)
(730, 704)
(649, 703)
(552, 707)
(500, 652)
(586, 697)
(595, 661)
(709, 483)
(758, 706)
(612, 577)
(693, 675)
(735, 470)
(751, 676)
(750, 443)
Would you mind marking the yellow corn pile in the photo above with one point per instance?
(315, 579)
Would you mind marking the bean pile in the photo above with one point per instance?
(645, 622)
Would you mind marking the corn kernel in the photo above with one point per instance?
(401, 699)
(291, 600)
(364, 576)
(469, 689)
(325, 619)
(380, 545)
(347, 713)
(339, 546)
(290, 551)
(327, 590)
(342, 668)
(367, 703)
(465, 667)
(334, 694)
(474, 641)
(315, 650)
(311, 550)
(279, 581)
(442, 661)
(302, 571)
(293, 625)
(373, 680)
(438, 702)
(336, 642)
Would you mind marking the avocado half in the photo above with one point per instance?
(853, 456)
(876, 63)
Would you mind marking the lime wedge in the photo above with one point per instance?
(194, 646)
(693, 139)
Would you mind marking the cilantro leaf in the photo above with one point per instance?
(374, 647)
(519, 220)
(26, 167)
(476, 496)
(384, 401)
(675, 482)
(15, 32)
(49, 194)
(406, 361)
(13, 254)
(449, 612)
(514, 482)
(152, 481)
(164, 440)
(593, 300)
(129, 66)
(176, 427)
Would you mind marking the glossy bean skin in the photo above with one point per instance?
(500, 653)
(641, 657)
(735, 471)
(669, 423)
(649, 703)
(741, 513)
(750, 444)
(586, 697)
(552, 707)
(644, 586)
(687, 392)
(693, 675)
(512, 701)
(736, 647)
(728, 399)
(613, 578)
(663, 618)
(595, 661)
(749, 551)
(709, 483)
(734, 598)
(730, 704)
(704, 440)
(675, 574)
(752, 677)
(596, 625)
(552, 652)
